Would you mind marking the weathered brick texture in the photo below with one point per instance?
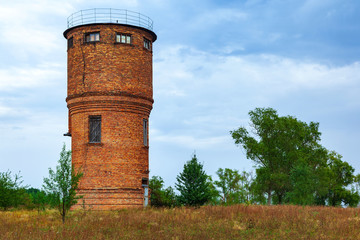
(114, 81)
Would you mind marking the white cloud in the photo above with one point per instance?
(190, 141)
(311, 6)
(31, 29)
(120, 4)
(28, 12)
(7, 111)
(33, 145)
(218, 16)
(186, 69)
(202, 96)
(18, 77)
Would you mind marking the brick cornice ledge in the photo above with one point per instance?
(109, 93)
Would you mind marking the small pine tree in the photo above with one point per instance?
(62, 184)
(193, 185)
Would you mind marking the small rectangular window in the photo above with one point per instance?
(147, 44)
(94, 129)
(70, 42)
(145, 182)
(92, 37)
(145, 131)
(123, 38)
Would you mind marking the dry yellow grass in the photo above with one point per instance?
(209, 222)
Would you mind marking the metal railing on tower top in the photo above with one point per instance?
(109, 15)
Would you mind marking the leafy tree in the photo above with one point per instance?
(170, 197)
(39, 199)
(12, 194)
(303, 181)
(214, 193)
(161, 197)
(156, 185)
(247, 195)
(277, 145)
(32, 190)
(258, 190)
(357, 183)
(63, 183)
(229, 184)
(193, 184)
(292, 166)
(236, 187)
(340, 176)
(262, 185)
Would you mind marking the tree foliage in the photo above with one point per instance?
(12, 193)
(39, 199)
(228, 184)
(215, 198)
(291, 164)
(339, 175)
(235, 187)
(161, 197)
(63, 183)
(193, 184)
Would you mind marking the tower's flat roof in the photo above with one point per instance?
(109, 15)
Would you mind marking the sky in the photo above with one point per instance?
(213, 62)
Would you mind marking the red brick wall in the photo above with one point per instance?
(113, 80)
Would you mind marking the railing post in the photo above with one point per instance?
(82, 21)
(110, 16)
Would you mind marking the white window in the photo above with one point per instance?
(147, 44)
(123, 38)
(92, 37)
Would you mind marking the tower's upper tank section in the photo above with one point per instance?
(110, 54)
(109, 15)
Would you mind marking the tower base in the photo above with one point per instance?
(109, 199)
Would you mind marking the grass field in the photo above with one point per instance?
(208, 222)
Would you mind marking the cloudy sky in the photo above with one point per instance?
(214, 61)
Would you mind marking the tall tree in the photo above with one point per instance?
(193, 184)
(63, 183)
(276, 146)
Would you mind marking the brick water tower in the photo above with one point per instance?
(110, 97)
